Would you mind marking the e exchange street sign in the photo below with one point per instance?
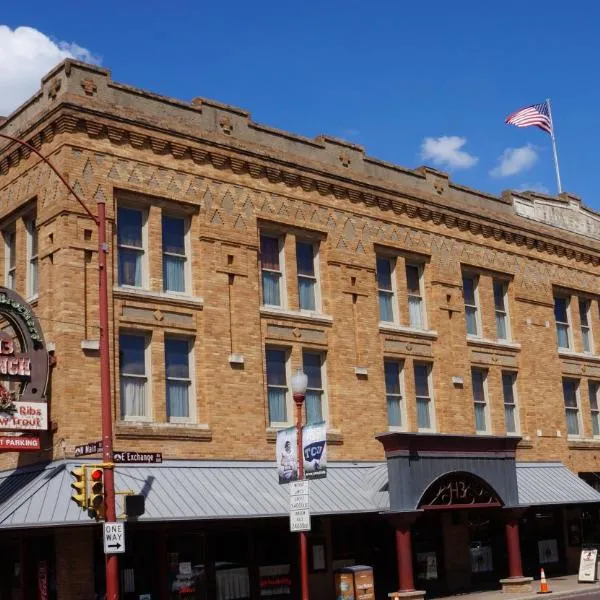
(137, 457)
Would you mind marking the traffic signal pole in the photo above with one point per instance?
(112, 565)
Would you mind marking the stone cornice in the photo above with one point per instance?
(222, 152)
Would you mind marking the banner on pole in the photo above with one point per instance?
(314, 442)
(287, 460)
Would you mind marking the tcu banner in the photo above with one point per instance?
(314, 444)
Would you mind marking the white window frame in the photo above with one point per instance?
(432, 412)
(281, 240)
(289, 409)
(393, 292)
(486, 401)
(568, 323)
(317, 277)
(476, 306)
(32, 259)
(423, 306)
(10, 251)
(324, 396)
(187, 271)
(594, 412)
(191, 342)
(515, 404)
(145, 282)
(147, 368)
(401, 396)
(578, 409)
(586, 328)
(503, 312)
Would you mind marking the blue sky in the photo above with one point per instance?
(383, 74)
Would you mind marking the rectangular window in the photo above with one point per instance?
(393, 392)
(174, 254)
(10, 263)
(312, 363)
(571, 393)
(32, 259)
(561, 314)
(586, 332)
(478, 379)
(270, 264)
(502, 331)
(593, 388)
(130, 241)
(414, 283)
(277, 390)
(134, 376)
(385, 290)
(510, 406)
(178, 378)
(423, 396)
(471, 310)
(307, 275)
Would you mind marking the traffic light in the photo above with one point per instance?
(96, 493)
(80, 486)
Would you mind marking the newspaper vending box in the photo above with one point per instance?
(354, 583)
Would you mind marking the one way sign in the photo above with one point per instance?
(114, 538)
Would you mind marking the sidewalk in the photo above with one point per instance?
(561, 587)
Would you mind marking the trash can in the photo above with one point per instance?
(354, 583)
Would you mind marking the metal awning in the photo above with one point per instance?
(190, 490)
(39, 496)
(541, 483)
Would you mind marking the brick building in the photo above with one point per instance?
(451, 338)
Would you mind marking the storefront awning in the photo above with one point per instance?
(542, 483)
(190, 490)
(40, 496)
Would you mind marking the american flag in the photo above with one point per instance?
(536, 115)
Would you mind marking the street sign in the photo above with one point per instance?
(89, 448)
(299, 488)
(299, 506)
(137, 457)
(299, 502)
(299, 520)
(114, 538)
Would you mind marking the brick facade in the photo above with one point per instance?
(233, 180)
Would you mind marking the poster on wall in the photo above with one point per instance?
(587, 565)
(314, 442)
(287, 461)
(548, 551)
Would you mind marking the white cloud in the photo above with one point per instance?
(533, 187)
(515, 160)
(26, 55)
(446, 151)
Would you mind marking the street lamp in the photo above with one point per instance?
(112, 571)
(299, 384)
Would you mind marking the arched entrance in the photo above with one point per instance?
(459, 540)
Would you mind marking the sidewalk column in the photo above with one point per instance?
(406, 584)
(513, 548)
(515, 582)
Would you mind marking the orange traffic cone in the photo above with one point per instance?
(544, 589)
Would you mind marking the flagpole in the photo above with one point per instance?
(554, 146)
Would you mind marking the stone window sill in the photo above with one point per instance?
(127, 430)
(392, 328)
(563, 353)
(295, 315)
(334, 436)
(176, 299)
(497, 344)
(584, 444)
